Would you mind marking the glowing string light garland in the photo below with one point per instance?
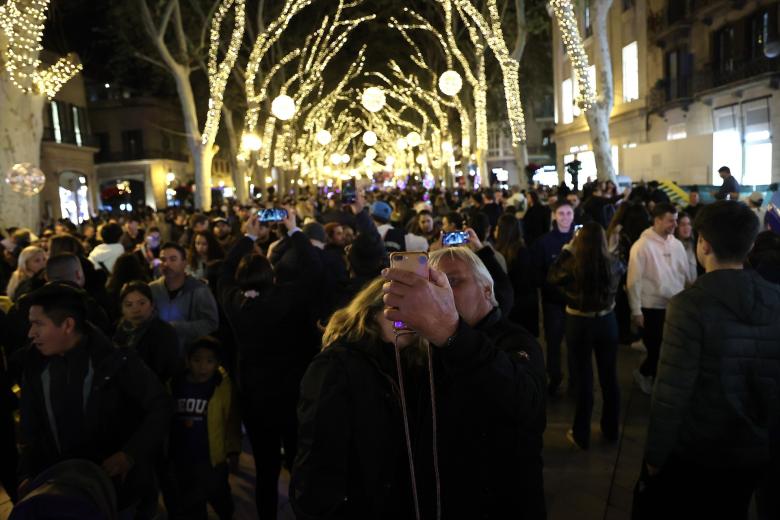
(572, 43)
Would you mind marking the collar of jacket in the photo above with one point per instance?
(489, 320)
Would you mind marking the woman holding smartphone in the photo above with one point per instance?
(589, 276)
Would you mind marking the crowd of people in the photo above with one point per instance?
(149, 344)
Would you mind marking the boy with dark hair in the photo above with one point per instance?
(206, 434)
(84, 398)
(715, 416)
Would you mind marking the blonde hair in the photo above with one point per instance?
(472, 261)
(21, 273)
(357, 321)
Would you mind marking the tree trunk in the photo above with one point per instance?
(239, 171)
(21, 129)
(203, 158)
(520, 151)
(480, 104)
(598, 115)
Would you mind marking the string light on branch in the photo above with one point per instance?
(450, 83)
(563, 11)
(22, 23)
(373, 99)
(401, 144)
(369, 138)
(324, 137)
(283, 107)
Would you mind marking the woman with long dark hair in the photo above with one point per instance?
(509, 242)
(589, 276)
(537, 219)
(204, 252)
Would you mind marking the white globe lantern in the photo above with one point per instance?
(369, 138)
(373, 99)
(413, 139)
(345, 158)
(389, 160)
(335, 158)
(421, 159)
(371, 154)
(401, 144)
(25, 178)
(446, 147)
(283, 107)
(251, 142)
(323, 137)
(450, 83)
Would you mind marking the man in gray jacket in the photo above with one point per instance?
(181, 300)
(715, 415)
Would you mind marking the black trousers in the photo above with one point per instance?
(686, 490)
(652, 337)
(271, 425)
(584, 338)
(554, 323)
(189, 487)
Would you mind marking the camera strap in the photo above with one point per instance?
(408, 438)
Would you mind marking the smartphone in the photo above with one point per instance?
(348, 192)
(271, 214)
(456, 238)
(413, 261)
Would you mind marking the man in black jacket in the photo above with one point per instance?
(491, 391)
(84, 398)
(714, 430)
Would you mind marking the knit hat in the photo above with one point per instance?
(315, 231)
(381, 210)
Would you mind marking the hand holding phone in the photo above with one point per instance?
(271, 214)
(413, 262)
(456, 238)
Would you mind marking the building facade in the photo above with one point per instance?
(67, 154)
(696, 87)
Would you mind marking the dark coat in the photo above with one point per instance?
(274, 341)
(536, 222)
(352, 460)
(522, 276)
(543, 254)
(158, 348)
(562, 274)
(716, 401)
(127, 409)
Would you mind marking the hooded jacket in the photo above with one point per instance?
(657, 270)
(716, 401)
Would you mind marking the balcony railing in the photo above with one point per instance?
(710, 77)
(66, 137)
(140, 155)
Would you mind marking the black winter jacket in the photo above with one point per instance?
(352, 460)
(275, 336)
(127, 409)
(716, 401)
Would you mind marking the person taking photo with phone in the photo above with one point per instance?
(469, 383)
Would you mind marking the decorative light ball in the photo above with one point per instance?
(323, 137)
(413, 139)
(389, 160)
(373, 99)
(335, 158)
(345, 158)
(369, 138)
(283, 107)
(421, 159)
(25, 178)
(251, 142)
(371, 154)
(446, 147)
(401, 144)
(450, 82)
